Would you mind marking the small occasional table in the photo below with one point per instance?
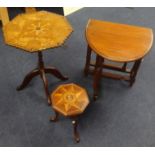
(69, 100)
(119, 43)
(35, 32)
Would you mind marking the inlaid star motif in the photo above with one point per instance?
(70, 99)
(37, 31)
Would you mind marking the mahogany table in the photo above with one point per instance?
(119, 43)
(69, 100)
(35, 32)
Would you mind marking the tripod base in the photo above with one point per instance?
(74, 124)
(41, 70)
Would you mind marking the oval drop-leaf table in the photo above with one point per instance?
(115, 42)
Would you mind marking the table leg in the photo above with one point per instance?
(55, 118)
(4, 15)
(55, 72)
(124, 66)
(45, 82)
(97, 75)
(75, 132)
(134, 71)
(28, 78)
(88, 57)
(41, 70)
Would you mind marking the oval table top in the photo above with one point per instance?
(118, 42)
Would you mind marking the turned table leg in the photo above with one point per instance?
(134, 71)
(88, 57)
(97, 75)
(42, 70)
(45, 83)
(74, 123)
(75, 132)
(124, 66)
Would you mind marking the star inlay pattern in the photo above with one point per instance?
(70, 99)
(37, 31)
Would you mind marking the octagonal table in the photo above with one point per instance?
(35, 32)
(69, 100)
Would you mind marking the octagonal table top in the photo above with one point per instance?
(118, 42)
(37, 31)
(69, 99)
